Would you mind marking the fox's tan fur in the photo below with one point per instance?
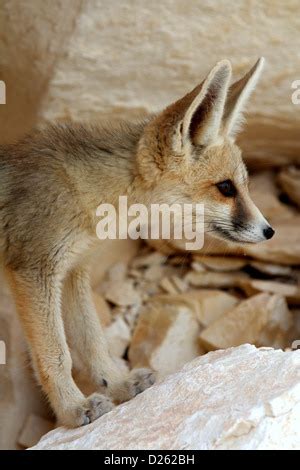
(51, 184)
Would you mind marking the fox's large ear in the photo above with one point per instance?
(197, 117)
(202, 119)
(237, 96)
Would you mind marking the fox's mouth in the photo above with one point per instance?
(228, 235)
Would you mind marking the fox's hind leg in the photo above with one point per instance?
(38, 298)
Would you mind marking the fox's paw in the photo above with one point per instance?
(88, 411)
(139, 380)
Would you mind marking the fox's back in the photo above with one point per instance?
(51, 179)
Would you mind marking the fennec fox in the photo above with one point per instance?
(50, 186)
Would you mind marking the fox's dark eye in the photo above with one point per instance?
(227, 188)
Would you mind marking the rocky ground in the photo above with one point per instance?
(255, 404)
(164, 310)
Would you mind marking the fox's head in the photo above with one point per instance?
(188, 154)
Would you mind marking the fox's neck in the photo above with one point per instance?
(110, 170)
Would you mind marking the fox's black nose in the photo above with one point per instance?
(268, 233)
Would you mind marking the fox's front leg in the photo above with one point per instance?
(87, 337)
(38, 298)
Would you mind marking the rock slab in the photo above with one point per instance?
(240, 398)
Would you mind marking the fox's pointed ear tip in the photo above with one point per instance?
(261, 62)
(224, 63)
(223, 66)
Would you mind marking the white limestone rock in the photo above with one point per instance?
(240, 398)
(166, 335)
(121, 292)
(134, 57)
(118, 337)
(34, 428)
(289, 180)
(263, 320)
